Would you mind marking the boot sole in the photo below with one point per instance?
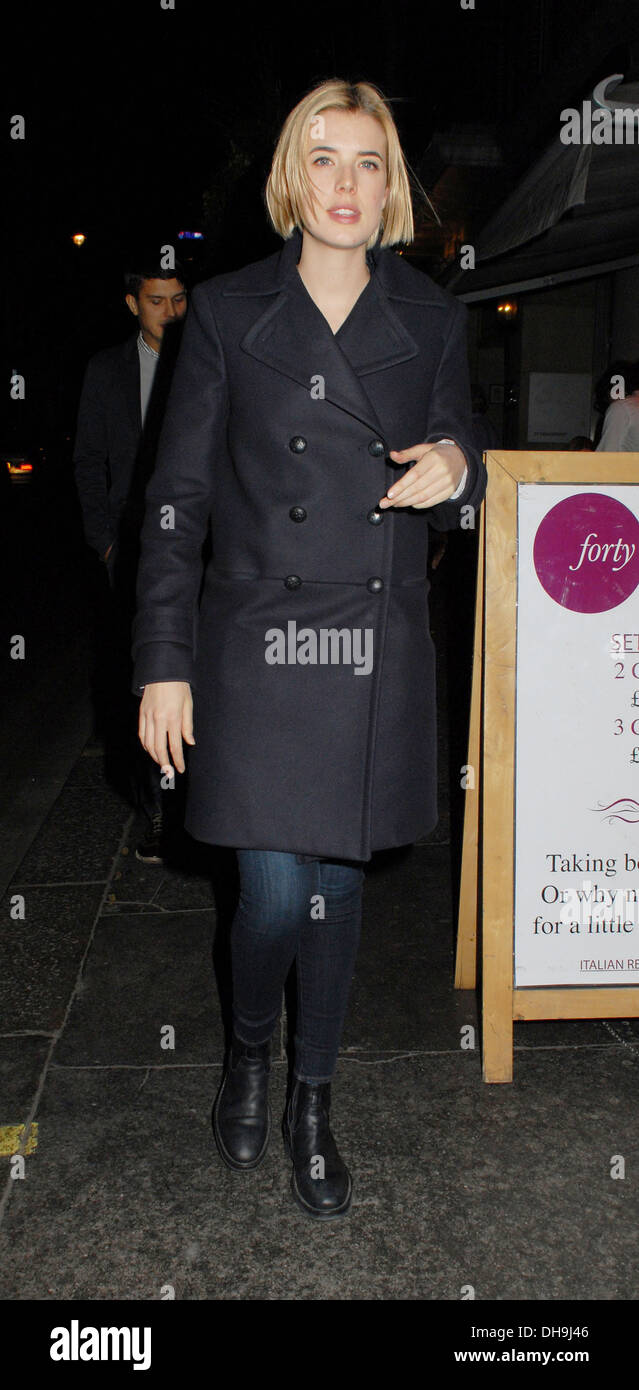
(318, 1215)
(227, 1157)
(322, 1215)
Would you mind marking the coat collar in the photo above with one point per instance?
(291, 335)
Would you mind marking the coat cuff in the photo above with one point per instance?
(162, 661)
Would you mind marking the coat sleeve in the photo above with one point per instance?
(450, 416)
(90, 454)
(178, 500)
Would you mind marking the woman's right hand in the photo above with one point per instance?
(166, 710)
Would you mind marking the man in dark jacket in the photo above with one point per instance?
(121, 408)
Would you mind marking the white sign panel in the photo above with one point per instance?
(577, 736)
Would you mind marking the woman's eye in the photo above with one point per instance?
(366, 163)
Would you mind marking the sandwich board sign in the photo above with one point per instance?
(550, 864)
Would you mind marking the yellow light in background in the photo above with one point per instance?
(78, 239)
(507, 308)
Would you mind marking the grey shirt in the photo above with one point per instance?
(148, 363)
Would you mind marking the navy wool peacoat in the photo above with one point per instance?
(307, 645)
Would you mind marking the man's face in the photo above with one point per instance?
(159, 302)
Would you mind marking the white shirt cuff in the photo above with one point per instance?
(458, 491)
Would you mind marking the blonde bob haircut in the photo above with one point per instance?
(288, 189)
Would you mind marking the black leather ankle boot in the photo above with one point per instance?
(320, 1181)
(242, 1114)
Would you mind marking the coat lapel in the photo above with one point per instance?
(292, 336)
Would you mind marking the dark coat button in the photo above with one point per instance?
(292, 581)
(375, 517)
(297, 444)
(376, 448)
(375, 585)
(297, 514)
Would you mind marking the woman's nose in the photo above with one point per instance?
(346, 179)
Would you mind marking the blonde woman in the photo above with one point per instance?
(320, 416)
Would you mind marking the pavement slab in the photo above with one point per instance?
(41, 953)
(455, 1183)
(79, 838)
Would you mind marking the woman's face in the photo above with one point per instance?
(346, 162)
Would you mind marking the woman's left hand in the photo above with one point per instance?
(436, 474)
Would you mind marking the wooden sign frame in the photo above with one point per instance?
(487, 885)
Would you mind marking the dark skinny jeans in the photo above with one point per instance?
(308, 911)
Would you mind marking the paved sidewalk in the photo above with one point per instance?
(456, 1183)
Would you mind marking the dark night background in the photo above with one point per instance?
(141, 122)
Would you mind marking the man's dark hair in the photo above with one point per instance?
(145, 268)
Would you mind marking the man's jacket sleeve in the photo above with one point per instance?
(90, 456)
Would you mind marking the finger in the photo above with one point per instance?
(411, 482)
(421, 484)
(425, 496)
(187, 722)
(158, 747)
(396, 489)
(175, 742)
(432, 501)
(421, 499)
(147, 735)
(422, 495)
(411, 455)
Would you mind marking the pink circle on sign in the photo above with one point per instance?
(586, 553)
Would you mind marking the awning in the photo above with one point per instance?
(575, 214)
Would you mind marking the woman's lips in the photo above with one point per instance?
(344, 215)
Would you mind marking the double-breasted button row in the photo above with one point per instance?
(300, 514)
(374, 585)
(298, 444)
